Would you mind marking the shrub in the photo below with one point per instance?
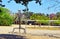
(43, 22)
(5, 17)
(56, 23)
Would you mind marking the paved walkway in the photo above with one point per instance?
(6, 30)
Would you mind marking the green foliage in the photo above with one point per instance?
(28, 14)
(42, 19)
(43, 22)
(38, 17)
(56, 23)
(58, 15)
(5, 17)
(33, 17)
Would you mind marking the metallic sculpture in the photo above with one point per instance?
(19, 18)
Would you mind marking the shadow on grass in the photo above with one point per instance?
(11, 36)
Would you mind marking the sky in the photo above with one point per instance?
(33, 7)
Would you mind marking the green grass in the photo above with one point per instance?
(44, 28)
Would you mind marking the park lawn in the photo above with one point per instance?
(44, 28)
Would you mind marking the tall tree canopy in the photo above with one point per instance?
(1, 4)
(25, 2)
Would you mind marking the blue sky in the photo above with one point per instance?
(33, 7)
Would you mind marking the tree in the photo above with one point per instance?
(33, 17)
(26, 2)
(1, 4)
(40, 18)
(53, 17)
(23, 2)
(5, 17)
(28, 14)
(58, 15)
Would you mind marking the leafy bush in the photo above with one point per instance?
(43, 22)
(56, 23)
(5, 17)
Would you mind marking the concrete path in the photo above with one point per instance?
(6, 30)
